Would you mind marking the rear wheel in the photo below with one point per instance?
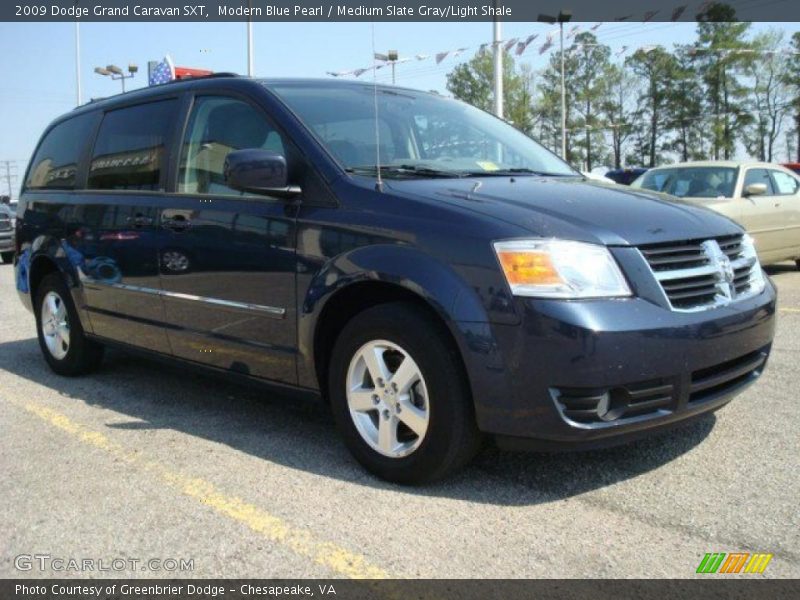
(399, 395)
(61, 337)
(797, 262)
(8, 257)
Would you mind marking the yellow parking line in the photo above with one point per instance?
(275, 529)
(790, 310)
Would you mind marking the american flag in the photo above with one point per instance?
(161, 72)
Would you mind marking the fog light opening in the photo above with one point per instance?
(613, 404)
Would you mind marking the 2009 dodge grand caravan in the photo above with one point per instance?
(433, 273)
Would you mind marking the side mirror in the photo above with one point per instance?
(258, 172)
(755, 189)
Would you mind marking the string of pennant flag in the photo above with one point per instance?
(520, 46)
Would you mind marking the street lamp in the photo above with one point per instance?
(117, 73)
(390, 57)
(563, 17)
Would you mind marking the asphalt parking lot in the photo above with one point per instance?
(141, 461)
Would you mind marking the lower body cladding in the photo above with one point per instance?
(584, 374)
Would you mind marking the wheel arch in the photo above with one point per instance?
(354, 299)
(46, 255)
(375, 275)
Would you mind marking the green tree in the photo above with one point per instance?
(769, 96)
(722, 55)
(792, 79)
(617, 109)
(590, 89)
(473, 81)
(684, 106)
(547, 114)
(656, 70)
(548, 104)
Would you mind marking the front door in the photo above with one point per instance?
(787, 200)
(762, 215)
(227, 259)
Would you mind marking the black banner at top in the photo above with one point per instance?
(397, 10)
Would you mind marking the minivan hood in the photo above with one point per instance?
(575, 208)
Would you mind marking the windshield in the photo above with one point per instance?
(418, 134)
(690, 182)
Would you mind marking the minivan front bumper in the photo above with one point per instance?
(584, 374)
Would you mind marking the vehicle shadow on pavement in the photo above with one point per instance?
(301, 435)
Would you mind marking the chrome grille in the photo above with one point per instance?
(696, 275)
(5, 222)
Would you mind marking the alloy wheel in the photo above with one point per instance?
(55, 325)
(387, 398)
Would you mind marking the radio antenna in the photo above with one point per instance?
(379, 182)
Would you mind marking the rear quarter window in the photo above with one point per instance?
(55, 164)
(784, 183)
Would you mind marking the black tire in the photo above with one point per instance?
(8, 257)
(797, 262)
(452, 437)
(83, 355)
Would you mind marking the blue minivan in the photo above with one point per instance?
(429, 271)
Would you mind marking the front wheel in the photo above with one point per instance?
(8, 257)
(64, 345)
(399, 395)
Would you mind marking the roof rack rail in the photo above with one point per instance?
(187, 78)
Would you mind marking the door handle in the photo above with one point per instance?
(177, 223)
(139, 220)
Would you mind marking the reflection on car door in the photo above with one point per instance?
(112, 231)
(762, 215)
(787, 197)
(227, 260)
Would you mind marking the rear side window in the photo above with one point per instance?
(130, 150)
(784, 183)
(55, 163)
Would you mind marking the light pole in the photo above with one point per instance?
(563, 17)
(497, 52)
(390, 57)
(498, 69)
(116, 73)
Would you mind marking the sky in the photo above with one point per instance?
(38, 68)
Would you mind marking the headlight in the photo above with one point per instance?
(560, 269)
(757, 279)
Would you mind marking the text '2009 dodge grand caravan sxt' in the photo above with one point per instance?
(430, 271)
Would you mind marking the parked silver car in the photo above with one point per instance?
(8, 219)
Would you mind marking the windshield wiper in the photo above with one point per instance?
(411, 170)
(518, 171)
